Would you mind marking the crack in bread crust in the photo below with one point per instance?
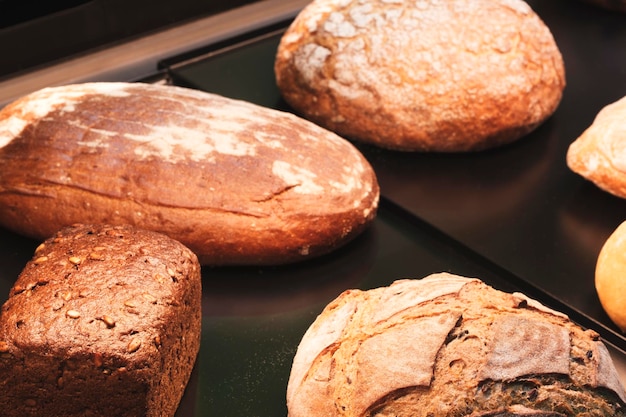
(451, 346)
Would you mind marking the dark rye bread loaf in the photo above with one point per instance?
(235, 182)
(426, 75)
(449, 346)
(103, 322)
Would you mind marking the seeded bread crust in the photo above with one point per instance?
(428, 75)
(599, 153)
(449, 346)
(234, 182)
(103, 322)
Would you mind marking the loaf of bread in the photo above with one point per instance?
(449, 346)
(428, 75)
(235, 182)
(599, 153)
(610, 276)
(103, 322)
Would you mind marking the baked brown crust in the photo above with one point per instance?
(451, 346)
(433, 76)
(235, 182)
(103, 321)
(599, 153)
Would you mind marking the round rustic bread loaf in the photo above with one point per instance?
(599, 154)
(235, 182)
(103, 321)
(450, 346)
(610, 277)
(427, 75)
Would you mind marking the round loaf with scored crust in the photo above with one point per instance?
(235, 182)
(599, 153)
(449, 346)
(103, 321)
(425, 75)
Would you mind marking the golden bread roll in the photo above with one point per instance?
(599, 154)
(235, 182)
(427, 75)
(449, 346)
(610, 276)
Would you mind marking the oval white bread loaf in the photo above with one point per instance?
(599, 153)
(428, 75)
(235, 182)
(449, 346)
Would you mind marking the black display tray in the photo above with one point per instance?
(519, 206)
(254, 317)
(515, 217)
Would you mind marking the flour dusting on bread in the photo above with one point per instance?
(236, 182)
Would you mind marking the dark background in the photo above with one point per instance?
(39, 32)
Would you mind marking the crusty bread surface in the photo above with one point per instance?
(235, 182)
(104, 321)
(428, 75)
(449, 346)
(599, 153)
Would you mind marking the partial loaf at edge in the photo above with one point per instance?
(235, 182)
(429, 75)
(449, 346)
(103, 321)
(599, 153)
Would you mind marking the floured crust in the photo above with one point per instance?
(103, 321)
(235, 182)
(599, 154)
(434, 76)
(461, 348)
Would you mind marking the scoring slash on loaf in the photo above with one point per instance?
(103, 321)
(424, 75)
(449, 346)
(599, 154)
(235, 182)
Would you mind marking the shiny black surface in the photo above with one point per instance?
(518, 206)
(254, 318)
